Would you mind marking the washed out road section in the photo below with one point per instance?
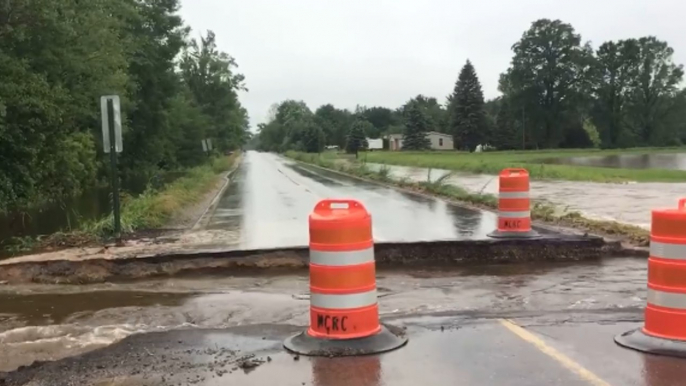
(480, 353)
(49, 322)
(271, 198)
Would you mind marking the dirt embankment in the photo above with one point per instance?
(93, 270)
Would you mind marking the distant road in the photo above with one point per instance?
(271, 197)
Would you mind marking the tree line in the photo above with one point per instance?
(57, 57)
(558, 92)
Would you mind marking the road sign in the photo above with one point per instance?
(106, 126)
(112, 142)
(207, 145)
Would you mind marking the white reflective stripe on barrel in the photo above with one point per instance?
(668, 251)
(346, 301)
(339, 259)
(666, 299)
(514, 214)
(513, 195)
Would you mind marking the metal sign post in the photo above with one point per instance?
(112, 143)
(207, 146)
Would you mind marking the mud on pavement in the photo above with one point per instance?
(523, 351)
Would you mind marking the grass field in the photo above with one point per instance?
(494, 162)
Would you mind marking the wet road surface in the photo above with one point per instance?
(271, 197)
(463, 324)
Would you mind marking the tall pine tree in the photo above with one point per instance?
(357, 137)
(416, 127)
(467, 116)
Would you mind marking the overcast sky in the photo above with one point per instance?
(383, 52)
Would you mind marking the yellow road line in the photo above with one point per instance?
(553, 353)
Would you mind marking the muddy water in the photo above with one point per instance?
(43, 326)
(41, 309)
(628, 203)
(43, 322)
(69, 213)
(675, 161)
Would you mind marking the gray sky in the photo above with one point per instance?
(383, 52)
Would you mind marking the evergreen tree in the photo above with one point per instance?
(357, 138)
(467, 116)
(313, 138)
(416, 127)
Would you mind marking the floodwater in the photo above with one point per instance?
(46, 322)
(673, 161)
(629, 203)
(271, 197)
(92, 204)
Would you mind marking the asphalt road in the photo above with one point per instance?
(271, 198)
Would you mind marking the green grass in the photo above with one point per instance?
(439, 187)
(494, 162)
(154, 208)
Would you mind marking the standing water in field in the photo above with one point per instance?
(70, 213)
(673, 161)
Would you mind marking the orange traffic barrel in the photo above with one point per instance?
(344, 312)
(514, 205)
(664, 329)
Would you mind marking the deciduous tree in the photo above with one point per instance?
(550, 79)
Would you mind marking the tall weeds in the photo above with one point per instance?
(155, 207)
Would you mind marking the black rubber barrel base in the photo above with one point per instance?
(532, 234)
(640, 341)
(390, 338)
